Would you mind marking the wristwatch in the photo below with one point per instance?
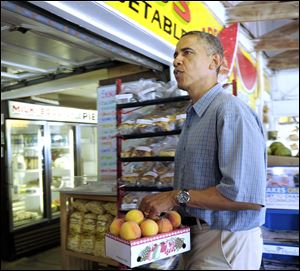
(183, 197)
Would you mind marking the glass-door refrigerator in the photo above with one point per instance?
(45, 148)
(25, 144)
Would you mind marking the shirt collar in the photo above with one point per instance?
(201, 105)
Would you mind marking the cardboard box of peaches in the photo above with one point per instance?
(135, 240)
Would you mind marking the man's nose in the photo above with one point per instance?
(177, 61)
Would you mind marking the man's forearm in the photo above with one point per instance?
(212, 199)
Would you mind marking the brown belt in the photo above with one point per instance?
(191, 221)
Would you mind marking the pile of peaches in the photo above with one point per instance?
(135, 225)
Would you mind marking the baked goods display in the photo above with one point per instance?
(88, 222)
(132, 200)
(148, 174)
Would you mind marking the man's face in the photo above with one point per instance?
(191, 62)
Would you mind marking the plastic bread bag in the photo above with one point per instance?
(180, 119)
(168, 146)
(127, 127)
(142, 151)
(141, 168)
(162, 124)
(126, 98)
(166, 179)
(145, 126)
(148, 178)
(163, 167)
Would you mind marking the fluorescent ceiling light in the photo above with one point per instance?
(23, 67)
(43, 100)
(16, 76)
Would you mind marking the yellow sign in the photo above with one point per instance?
(169, 19)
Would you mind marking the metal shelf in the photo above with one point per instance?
(156, 134)
(154, 102)
(147, 159)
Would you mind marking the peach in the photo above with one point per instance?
(164, 225)
(149, 227)
(175, 218)
(115, 226)
(130, 230)
(134, 215)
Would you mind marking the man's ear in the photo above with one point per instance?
(216, 61)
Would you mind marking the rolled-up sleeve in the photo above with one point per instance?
(241, 157)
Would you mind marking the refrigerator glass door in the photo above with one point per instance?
(25, 144)
(88, 152)
(62, 161)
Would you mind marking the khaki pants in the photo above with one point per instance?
(223, 250)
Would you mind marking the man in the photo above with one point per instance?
(220, 165)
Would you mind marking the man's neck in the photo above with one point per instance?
(197, 92)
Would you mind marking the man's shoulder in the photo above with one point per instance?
(227, 104)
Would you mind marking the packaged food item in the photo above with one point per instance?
(144, 126)
(127, 127)
(162, 124)
(125, 98)
(162, 167)
(95, 207)
(87, 243)
(142, 151)
(111, 208)
(166, 178)
(105, 218)
(167, 153)
(73, 242)
(79, 205)
(180, 119)
(147, 94)
(149, 178)
(89, 223)
(127, 153)
(130, 178)
(99, 249)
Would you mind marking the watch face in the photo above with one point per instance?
(183, 197)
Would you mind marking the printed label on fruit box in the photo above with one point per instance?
(156, 250)
(147, 249)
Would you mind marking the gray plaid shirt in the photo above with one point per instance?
(222, 144)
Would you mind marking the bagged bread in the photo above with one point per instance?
(111, 208)
(80, 205)
(95, 207)
(73, 242)
(99, 249)
(87, 243)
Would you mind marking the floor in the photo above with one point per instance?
(47, 260)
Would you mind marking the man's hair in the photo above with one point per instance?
(213, 44)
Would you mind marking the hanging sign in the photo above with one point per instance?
(246, 70)
(107, 152)
(19, 110)
(228, 37)
(169, 19)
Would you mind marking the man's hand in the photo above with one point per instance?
(153, 205)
